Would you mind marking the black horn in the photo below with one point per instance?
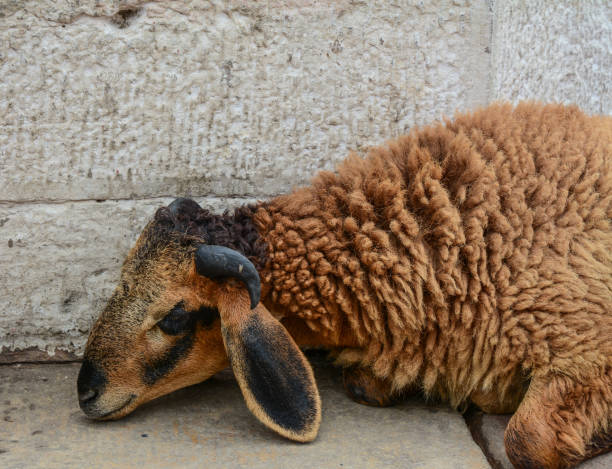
(217, 262)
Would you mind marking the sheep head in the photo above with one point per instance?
(183, 310)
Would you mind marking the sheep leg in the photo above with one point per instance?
(363, 387)
(492, 402)
(561, 422)
(600, 444)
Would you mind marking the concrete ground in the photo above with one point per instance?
(209, 426)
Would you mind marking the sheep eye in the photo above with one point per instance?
(176, 321)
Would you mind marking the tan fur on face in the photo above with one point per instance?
(126, 338)
(206, 358)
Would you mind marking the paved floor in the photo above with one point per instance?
(209, 426)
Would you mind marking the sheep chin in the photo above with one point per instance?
(124, 409)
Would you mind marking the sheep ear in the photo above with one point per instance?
(274, 376)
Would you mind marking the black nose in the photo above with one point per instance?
(90, 383)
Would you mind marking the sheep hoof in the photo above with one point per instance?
(365, 388)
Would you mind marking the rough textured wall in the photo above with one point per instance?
(107, 110)
(229, 99)
(110, 108)
(553, 51)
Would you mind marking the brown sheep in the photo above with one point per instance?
(471, 260)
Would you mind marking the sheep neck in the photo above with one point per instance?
(313, 279)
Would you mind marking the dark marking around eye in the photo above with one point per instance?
(177, 321)
(161, 366)
(207, 316)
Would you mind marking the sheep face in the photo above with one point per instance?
(159, 331)
(183, 311)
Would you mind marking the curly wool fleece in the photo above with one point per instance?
(465, 257)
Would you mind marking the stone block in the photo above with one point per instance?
(553, 51)
(114, 100)
(59, 263)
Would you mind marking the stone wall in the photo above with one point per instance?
(557, 50)
(110, 109)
